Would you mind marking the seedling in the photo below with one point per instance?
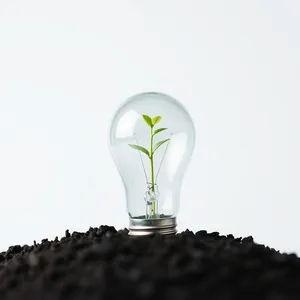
(151, 122)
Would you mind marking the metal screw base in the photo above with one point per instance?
(142, 227)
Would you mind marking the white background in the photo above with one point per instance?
(65, 67)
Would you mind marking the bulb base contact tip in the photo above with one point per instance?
(143, 226)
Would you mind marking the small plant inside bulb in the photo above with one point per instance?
(152, 193)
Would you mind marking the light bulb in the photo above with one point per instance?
(152, 138)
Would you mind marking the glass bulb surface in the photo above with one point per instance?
(151, 140)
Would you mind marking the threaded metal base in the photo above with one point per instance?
(140, 227)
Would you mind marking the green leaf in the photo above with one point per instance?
(142, 149)
(157, 145)
(148, 120)
(156, 119)
(159, 130)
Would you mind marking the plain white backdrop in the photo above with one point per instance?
(66, 66)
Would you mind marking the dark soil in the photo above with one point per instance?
(107, 264)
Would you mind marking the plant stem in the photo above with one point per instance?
(152, 169)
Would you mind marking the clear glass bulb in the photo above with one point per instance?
(152, 138)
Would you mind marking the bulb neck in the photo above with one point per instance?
(141, 227)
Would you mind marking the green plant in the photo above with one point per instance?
(151, 122)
